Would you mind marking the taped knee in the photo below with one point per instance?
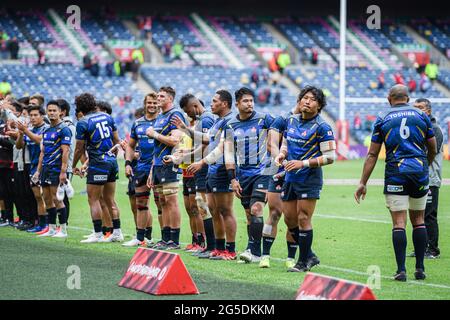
(201, 204)
(267, 229)
(397, 202)
(170, 188)
(418, 204)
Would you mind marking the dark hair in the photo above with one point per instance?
(317, 93)
(168, 90)
(64, 105)
(139, 113)
(32, 107)
(18, 106)
(426, 101)
(85, 103)
(201, 102)
(238, 94)
(225, 96)
(39, 97)
(104, 107)
(24, 100)
(55, 102)
(185, 100)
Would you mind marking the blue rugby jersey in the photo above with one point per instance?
(250, 143)
(403, 130)
(97, 130)
(145, 144)
(279, 125)
(52, 139)
(203, 124)
(33, 147)
(303, 142)
(164, 127)
(215, 133)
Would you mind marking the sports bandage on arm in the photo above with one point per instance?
(328, 149)
(215, 155)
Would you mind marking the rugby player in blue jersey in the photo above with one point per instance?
(248, 166)
(408, 136)
(165, 176)
(97, 134)
(52, 168)
(308, 144)
(139, 174)
(32, 137)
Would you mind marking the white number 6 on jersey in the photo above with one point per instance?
(404, 129)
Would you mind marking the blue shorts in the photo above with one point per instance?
(200, 180)
(188, 186)
(413, 185)
(298, 191)
(218, 182)
(275, 186)
(250, 189)
(100, 173)
(50, 176)
(165, 174)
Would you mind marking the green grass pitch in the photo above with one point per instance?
(348, 239)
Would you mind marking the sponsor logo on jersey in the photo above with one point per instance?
(392, 188)
(330, 133)
(67, 138)
(260, 186)
(304, 133)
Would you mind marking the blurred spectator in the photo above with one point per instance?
(283, 60)
(381, 80)
(87, 61)
(424, 83)
(277, 97)
(314, 56)
(5, 88)
(244, 79)
(370, 119)
(412, 85)
(3, 44)
(432, 71)
(398, 78)
(263, 96)
(138, 59)
(109, 68)
(118, 68)
(272, 64)
(166, 51)
(255, 77)
(357, 122)
(41, 56)
(95, 68)
(177, 50)
(13, 47)
(147, 28)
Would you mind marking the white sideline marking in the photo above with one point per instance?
(351, 218)
(434, 285)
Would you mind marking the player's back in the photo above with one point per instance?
(404, 130)
(97, 130)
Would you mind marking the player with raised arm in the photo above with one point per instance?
(308, 144)
(408, 136)
(97, 134)
(139, 174)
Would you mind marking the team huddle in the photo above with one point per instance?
(219, 155)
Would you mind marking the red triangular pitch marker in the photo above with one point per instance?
(158, 272)
(319, 287)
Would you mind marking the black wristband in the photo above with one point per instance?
(127, 163)
(231, 174)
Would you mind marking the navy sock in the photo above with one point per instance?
(42, 221)
(267, 244)
(305, 238)
(148, 233)
(292, 249)
(419, 236)
(140, 234)
(399, 242)
(97, 225)
(62, 215)
(294, 233)
(249, 242)
(51, 215)
(194, 238)
(175, 235)
(231, 246)
(165, 234)
(105, 230)
(220, 244)
(209, 233)
(200, 239)
(116, 223)
(256, 228)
